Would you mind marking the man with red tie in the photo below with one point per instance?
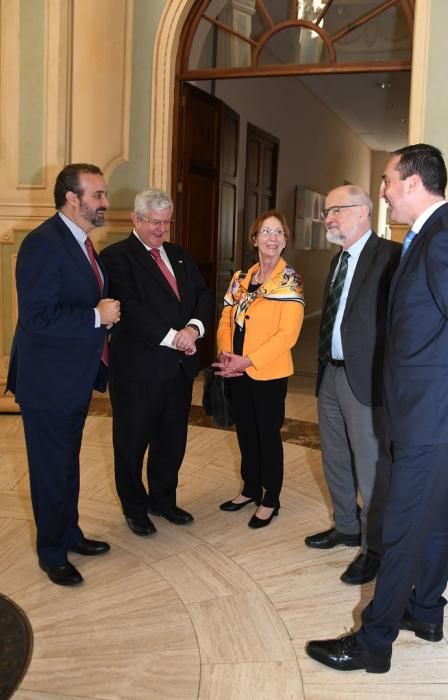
(165, 306)
(58, 357)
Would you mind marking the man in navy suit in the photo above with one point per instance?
(57, 359)
(165, 307)
(414, 567)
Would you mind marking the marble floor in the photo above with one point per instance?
(214, 610)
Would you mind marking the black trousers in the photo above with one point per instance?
(259, 411)
(53, 442)
(414, 566)
(150, 414)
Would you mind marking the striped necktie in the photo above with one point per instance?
(331, 309)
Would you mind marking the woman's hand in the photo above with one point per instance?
(231, 365)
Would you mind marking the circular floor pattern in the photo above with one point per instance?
(16, 646)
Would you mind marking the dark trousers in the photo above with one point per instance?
(154, 414)
(259, 411)
(414, 567)
(53, 442)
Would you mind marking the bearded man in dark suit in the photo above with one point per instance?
(355, 455)
(165, 306)
(414, 566)
(58, 357)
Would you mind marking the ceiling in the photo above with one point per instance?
(374, 105)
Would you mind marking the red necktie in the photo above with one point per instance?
(164, 269)
(99, 279)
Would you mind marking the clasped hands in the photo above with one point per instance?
(185, 340)
(231, 365)
(109, 310)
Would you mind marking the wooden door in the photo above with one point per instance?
(261, 181)
(207, 195)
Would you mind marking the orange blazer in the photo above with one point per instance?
(271, 328)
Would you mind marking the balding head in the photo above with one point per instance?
(347, 215)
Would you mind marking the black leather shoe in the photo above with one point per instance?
(346, 654)
(173, 514)
(332, 538)
(256, 523)
(90, 548)
(431, 631)
(64, 575)
(141, 526)
(230, 506)
(362, 569)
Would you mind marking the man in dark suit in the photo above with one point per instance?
(165, 306)
(349, 383)
(56, 359)
(414, 567)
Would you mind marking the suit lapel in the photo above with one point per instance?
(74, 250)
(144, 258)
(362, 268)
(177, 261)
(415, 248)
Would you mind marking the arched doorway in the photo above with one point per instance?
(228, 40)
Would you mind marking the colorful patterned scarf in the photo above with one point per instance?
(284, 286)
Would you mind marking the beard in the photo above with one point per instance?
(335, 236)
(94, 216)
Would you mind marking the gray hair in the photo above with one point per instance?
(152, 198)
(357, 193)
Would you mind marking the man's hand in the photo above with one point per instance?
(185, 340)
(109, 310)
(231, 365)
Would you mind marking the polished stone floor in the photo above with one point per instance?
(213, 610)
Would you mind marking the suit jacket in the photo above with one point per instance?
(271, 330)
(416, 362)
(149, 308)
(363, 327)
(56, 352)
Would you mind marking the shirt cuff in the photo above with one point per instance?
(199, 324)
(168, 339)
(97, 318)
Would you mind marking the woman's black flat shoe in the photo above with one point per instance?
(256, 523)
(231, 506)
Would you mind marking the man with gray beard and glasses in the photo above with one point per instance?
(349, 381)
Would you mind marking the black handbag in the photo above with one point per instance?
(215, 399)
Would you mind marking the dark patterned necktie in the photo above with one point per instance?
(90, 252)
(407, 241)
(165, 270)
(331, 309)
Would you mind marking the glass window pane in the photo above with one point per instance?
(293, 45)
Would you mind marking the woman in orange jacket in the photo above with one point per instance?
(260, 323)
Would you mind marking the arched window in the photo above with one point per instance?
(247, 38)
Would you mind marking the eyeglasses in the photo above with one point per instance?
(278, 232)
(158, 222)
(337, 209)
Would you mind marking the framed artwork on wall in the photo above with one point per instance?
(309, 229)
